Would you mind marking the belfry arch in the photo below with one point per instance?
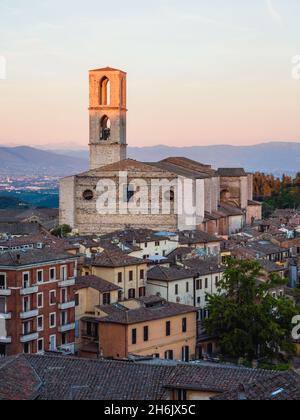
(105, 91)
(105, 128)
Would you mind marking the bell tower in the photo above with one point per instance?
(107, 117)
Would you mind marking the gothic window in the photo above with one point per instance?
(105, 128)
(105, 91)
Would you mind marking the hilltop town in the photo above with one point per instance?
(115, 294)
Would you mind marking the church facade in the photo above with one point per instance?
(173, 194)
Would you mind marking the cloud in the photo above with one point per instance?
(275, 15)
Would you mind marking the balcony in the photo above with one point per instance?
(5, 340)
(29, 337)
(67, 327)
(5, 315)
(29, 291)
(5, 292)
(29, 314)
(67, 305)
(67, 283)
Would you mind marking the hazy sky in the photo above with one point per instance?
(199, 72)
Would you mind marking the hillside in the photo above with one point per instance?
(30, 161)
(276, 158)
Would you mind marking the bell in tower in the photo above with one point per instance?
(107, 117)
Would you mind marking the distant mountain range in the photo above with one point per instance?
(30, 161)
(274, 157)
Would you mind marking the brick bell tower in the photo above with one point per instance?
(107, 117)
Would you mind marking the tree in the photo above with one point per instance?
(246, 319)
(62, 231)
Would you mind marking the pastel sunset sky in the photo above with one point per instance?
(199, 72)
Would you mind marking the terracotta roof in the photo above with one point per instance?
(95, 282)
(129, 165)
(115, 259)
(202, 267)
(22, 258)
(66, 378)
(281, 387)
(227, 210)
(50, 377)
(169, 273)
(18, 381)
(197, 236)
(190, 164)
(19, 228)
(213, 378)
(180, 170)
(120, 314)
(137, 235)
(181, 251)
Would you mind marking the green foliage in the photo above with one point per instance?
(247, 320)
(277, 193)
(62, 231)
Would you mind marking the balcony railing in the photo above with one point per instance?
(29, 314)
(29, 337)
(67, 282)
(5, 292)
(5, 315)
(90, 335)
(67, 305)
(66, 327)
(5, 340)
(29, 291)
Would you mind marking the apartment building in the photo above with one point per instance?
(149, 326)
(37, 306)
(126, 272)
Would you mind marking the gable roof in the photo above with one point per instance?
(169, 273)
(180, 170)
(213, 378)
(96, 283)
(115, 259)
(282, 387)
(190, 164)
(85, 379)
(129, 165)
(52, 377)
(18, 259)
(197, 236)
(119, 314)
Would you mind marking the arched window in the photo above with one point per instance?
(105, 91)
(105, 127)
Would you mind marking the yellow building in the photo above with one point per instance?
(125, 272)
(91, 291)
(143, 327)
